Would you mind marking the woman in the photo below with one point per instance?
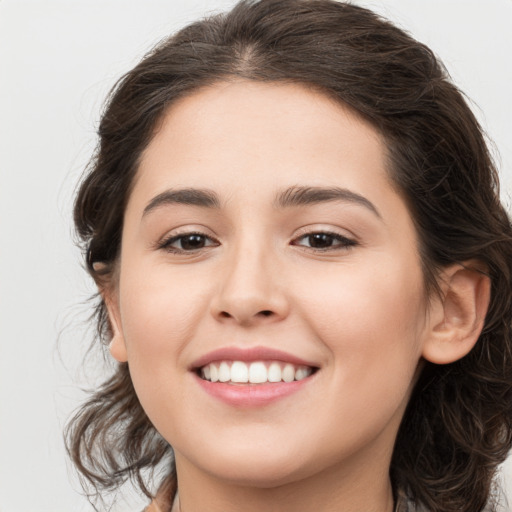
(304, 273)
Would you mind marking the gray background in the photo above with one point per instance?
(58, 59)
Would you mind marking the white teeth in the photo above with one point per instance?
(288, 373)
(224, 372)
(274, 372)
(301, 373)
(239, 372)
(257, 372)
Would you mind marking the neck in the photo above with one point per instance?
(349, 488)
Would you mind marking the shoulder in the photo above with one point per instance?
(153, 507)
(164, 499)
(405, 504)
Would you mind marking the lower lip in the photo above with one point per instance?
(251, 395)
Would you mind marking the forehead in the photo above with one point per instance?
(251, 131)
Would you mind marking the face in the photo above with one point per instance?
(270, 298)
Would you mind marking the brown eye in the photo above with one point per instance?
(320, 240)
(188, 242)
(192, 242)
(324, 241)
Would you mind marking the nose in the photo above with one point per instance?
(250, 290)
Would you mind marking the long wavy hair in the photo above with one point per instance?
(457, 427)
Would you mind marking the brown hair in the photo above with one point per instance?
(457, 427)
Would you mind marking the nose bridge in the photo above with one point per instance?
(250, 290)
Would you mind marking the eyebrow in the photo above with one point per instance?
(302, 196)
(289, 198)
(189, 196)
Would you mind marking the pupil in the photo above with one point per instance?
(192, 242)
(320, 240)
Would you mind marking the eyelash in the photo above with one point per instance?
(166, 244)
(344, 243)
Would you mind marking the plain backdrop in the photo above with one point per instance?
(58, 59)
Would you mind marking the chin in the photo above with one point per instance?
(260, 468)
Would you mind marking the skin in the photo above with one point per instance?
(356, 310)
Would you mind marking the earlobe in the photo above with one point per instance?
(117, 345)
(457, 317)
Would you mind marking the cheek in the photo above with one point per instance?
(161, 307)
(368, 315)
(161, 313)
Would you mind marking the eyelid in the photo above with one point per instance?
(322, 228)
(164, 243)
(347, 241)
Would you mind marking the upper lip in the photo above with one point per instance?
(247, 355)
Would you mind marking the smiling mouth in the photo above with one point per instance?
(256, 372)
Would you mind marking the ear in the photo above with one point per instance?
(106, 277)
(117, 345)
(457, 317)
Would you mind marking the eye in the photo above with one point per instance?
(187, 242)
(324, 241)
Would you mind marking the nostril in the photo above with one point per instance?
(242, 318)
